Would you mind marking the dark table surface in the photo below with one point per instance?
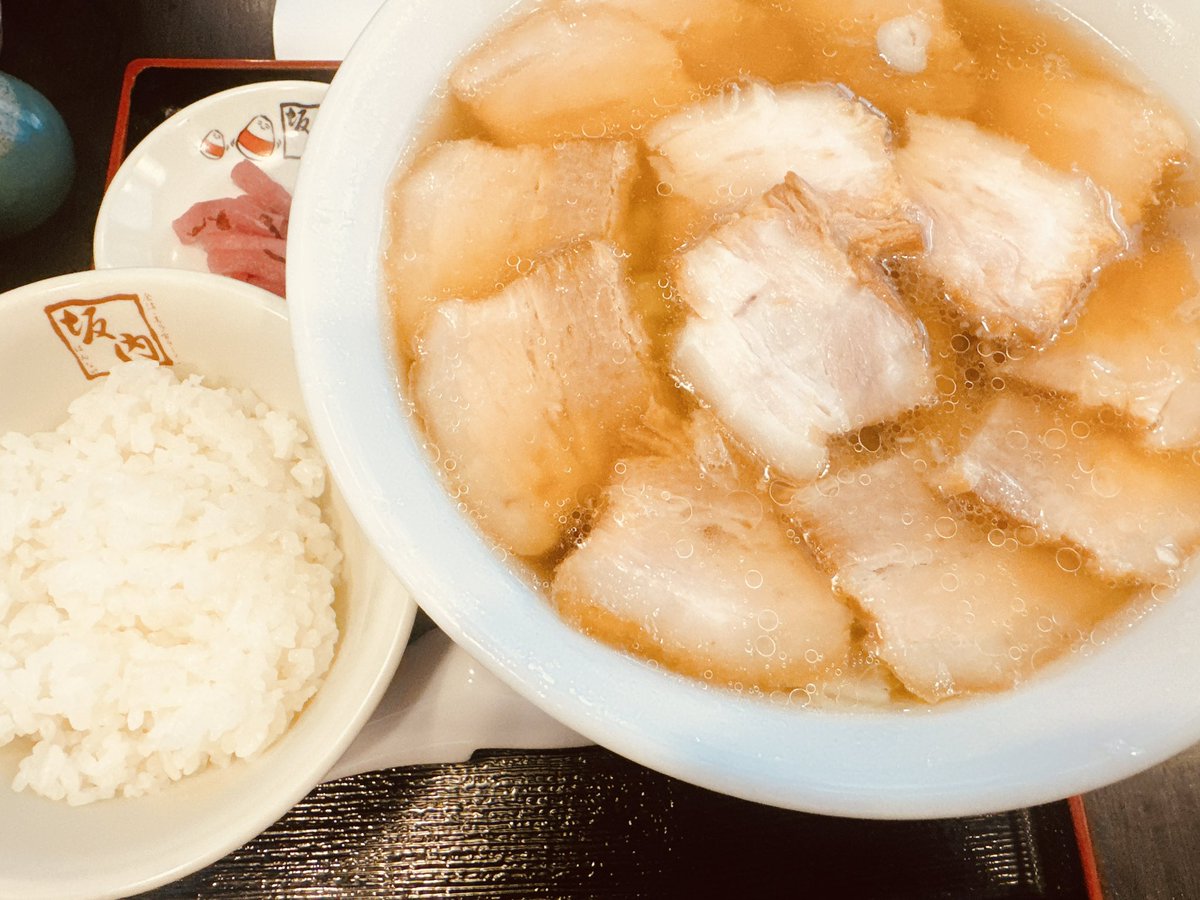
(565, 823)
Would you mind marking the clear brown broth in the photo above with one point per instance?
(782, 42)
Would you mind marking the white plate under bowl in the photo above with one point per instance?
(1093, 719)
(318, 29)
(180, 163)
(233, 334)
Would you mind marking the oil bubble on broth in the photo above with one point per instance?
(837, 354)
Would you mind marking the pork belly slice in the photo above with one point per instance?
(467, 210)
(672, 16)
(951, 613)
(526, 393)
(791, 340)
(728, 150)
(1015, 242)
(571, 72)
(1133, 514)
(684, 565)
(1120, 136)
(719, 40)
(1135, 348)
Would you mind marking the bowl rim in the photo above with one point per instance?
(1115, 710)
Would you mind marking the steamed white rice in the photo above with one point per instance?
(166, 585)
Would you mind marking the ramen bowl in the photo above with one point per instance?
(56, 338)
(1091, 719)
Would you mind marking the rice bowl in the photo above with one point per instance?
(131, 629)
(236, 336)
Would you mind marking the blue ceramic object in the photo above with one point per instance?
(37, 160)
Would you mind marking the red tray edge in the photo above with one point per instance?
(1087, 850)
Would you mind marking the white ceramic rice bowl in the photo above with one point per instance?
(235, 335)
(1093, 719)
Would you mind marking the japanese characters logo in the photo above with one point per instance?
(297, 121)
(106, 332)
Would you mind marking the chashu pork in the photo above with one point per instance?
(566, 72)
(1119, 136)
(1135, 348)
(727, 151)
(717, 40)
(672, 16)
(467, 210)
(1015, 241)
(684, 565)
(951, 613)
(526, 393)
(1135, 515)
(790, 339)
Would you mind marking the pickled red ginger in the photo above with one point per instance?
(243, 237)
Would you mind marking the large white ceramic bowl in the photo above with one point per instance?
(237, 335)
(1092, 720)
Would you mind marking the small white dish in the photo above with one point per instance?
(56, 337)
(188, 158)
